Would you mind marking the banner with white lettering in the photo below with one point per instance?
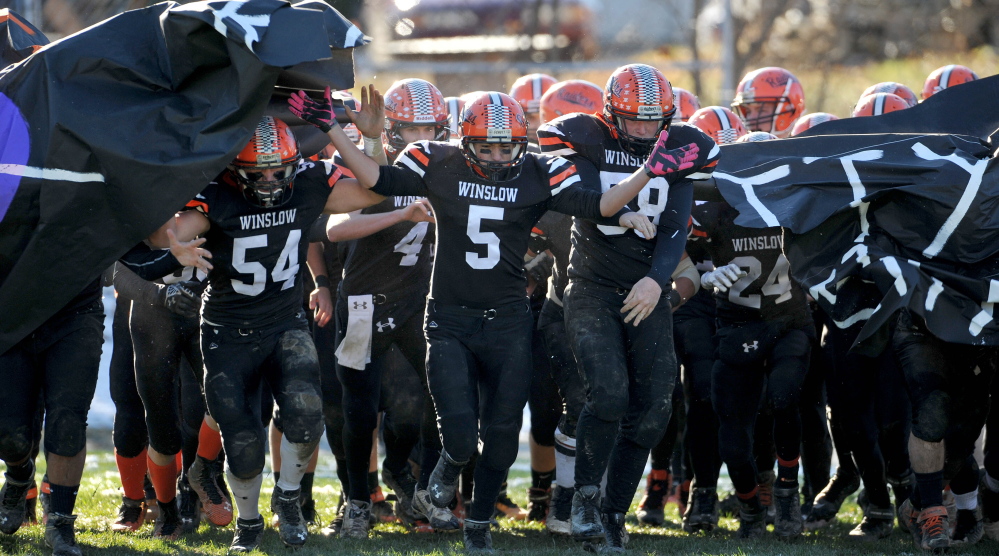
(875, 223)
(150, 105)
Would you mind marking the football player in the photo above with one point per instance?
(945, 77)
(528, 90)
(769, 99)
(619, 298)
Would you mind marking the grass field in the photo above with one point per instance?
(100, 496)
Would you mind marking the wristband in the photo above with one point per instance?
(322, 281)
(675, 299)
(372, 146)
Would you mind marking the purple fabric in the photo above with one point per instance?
(13, 151)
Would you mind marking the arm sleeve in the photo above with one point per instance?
(576, 191)
(129, 285)
(150, 264)
(672, 236)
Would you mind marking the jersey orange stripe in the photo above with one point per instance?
(420, 157)
(553, 141)
(563, 176)
(335, 176)
(199, 205)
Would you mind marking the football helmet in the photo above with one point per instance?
(638, 92)
(496, 118)
(809, 121)
(686, 104)
(719, 123)
(272, 148)
(454, 107)
(414, 102)
(756, 136)
(947, 76)
(894, 88)
(879, 103)
(528, 90)
(567, 97)
(769, 99)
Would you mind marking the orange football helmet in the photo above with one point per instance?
(719, 123)
(568, 97)
(414, 102)
(947, 76)
(879, 103)
(496, 118)
(769, 99)
(528, 90)
(638, 92)
(756, 136)
(686, 104)
(809, 121)
(272, 148)
(894, 88)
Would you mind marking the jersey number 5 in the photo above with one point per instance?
(476, 214)
(285, 269)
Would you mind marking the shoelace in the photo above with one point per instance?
(208, 484)
(933, 525)
(128, 513)
(477, 537)
(289, 510)
(247, 535)
(766, 494)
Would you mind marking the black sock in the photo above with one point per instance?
(306, 483)
(23, 472)
(542, 479)
(372, 481)
(63, 498)
(930, 489)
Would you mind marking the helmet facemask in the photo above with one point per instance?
(266, 193)
(492, 170)
(633, 144)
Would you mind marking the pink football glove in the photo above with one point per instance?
(663, 162)
(317, 113)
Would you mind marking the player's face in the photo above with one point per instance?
(414, 133)
(644, 129)
(759, 115)
(494, 152)
(269, 174)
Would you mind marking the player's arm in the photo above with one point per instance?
(575, 189)
(686, 282)
(321, 299)
(347, 196)
(149, 264)
(356, 225)
(672, 237)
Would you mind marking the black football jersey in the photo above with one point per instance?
(614, 256)
(483, 228)
(702, 304)
(556, 229)
(258, 254)
(767, 292)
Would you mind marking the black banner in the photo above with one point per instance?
(107, 132)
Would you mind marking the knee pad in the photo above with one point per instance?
(302, 412)
(499, 457)
(244, 453)
(15, 443)
(649, 430)
(65, 432)
(609, 405)
(933, 417)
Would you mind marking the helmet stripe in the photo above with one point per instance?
(536, 87)
(945, 77)
(879, 104)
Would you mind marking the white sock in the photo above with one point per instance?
(246, 494)
(992, 482)
(294, 460)
(967, 501)
(565, 460)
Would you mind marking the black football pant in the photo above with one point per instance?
(162, 340)
(695, 348)
(325, 340)
(758, 361)
(992, 435)
(629, 373)
(55, 366)
(237, 363)
(479, 370)
(562, 365)
(545, 402)
(816, 442)
(129, 434)
(948, 386)
(662, 454)
(407, 407)
(867, 400)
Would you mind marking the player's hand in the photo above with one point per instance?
(181, 299)
(663, 162)
(640, 223)
(321, 302)
(317, 113)
(641, 300)
(190, 253)
(419, 211)
(722, 277)
(370, 119)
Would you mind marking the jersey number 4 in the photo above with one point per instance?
(285, 269)
(410, 245)
(778, 282)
